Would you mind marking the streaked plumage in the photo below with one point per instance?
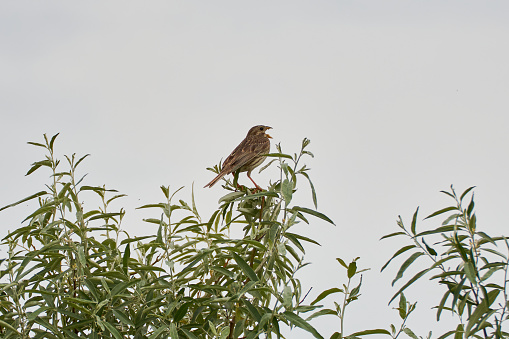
(247, 155)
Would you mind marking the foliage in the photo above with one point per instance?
(350, 295)
(72, 272)
(470, 264)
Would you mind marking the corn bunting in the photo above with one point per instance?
(248, 155)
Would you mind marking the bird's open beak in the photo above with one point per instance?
(268, 136)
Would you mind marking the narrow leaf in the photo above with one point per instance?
(402, 306)
(480, 310)
(466, 192)
(278, 155)
(325, 311)
(470, 272)
(400, 251)
(112, 329)
(410, 333)
(368, 332)
(392, 235)
(299, 322)
(410, 282)
(414, 221)
(342, 262)
(447, 209)
(429, 249)
(313, 212)
(325, 294)
(123, 318)
(405, 265)
(248, 271)
(33, 196)
(126, 257)
(313, 192)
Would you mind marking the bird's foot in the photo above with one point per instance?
(252, 190)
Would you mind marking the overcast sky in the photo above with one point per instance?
(400, 99)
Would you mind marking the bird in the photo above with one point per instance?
(248, 155)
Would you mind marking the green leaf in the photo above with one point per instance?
(447, 209)
(368, 332)
(112, 329)
(471, 205)
(470, 272)
(472, 223)
(313, 192)
(441, 229)
(81, 159)
(336, 335)
(181, 312)
(248, 271)
(33, 196)
(325, 294)
(223, 271)
(402, 306)
(287, 190)
(123, 318)
(352, 269)
(301, 237)
(466, 192)
(225, 332)
(126, 257)
(135, 239)
(342, 262)
(278, 155)
(440, 306)
(9, 326)
(320, 313)
(414, 221)
(105, 216)
(231, 196)
(312, 212)
(50, 207)
(429, 249)
(299, 322)
(405, 265)
(252, 310)
(410, 282)
(162, 329)
(52, 141)
(161, 205)
(392, 235)
(38, 164)
(258, 195)
(410, 333)
(400, 251)
(480, 310)
(459, 332)
(264, 167)
(36, 144)
(188, 334)
(287, 296)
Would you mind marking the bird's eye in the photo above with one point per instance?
(261, 128)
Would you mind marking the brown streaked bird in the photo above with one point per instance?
(247, 155)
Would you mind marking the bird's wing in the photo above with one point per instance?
(245, 151)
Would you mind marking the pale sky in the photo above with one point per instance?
(400, 99)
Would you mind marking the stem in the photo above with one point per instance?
(342, 318)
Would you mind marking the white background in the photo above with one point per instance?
(400, 99)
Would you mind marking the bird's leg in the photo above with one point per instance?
(257, 187)
(235, 180)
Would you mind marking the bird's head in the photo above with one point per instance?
(258, 131)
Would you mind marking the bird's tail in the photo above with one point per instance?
(216, 179)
